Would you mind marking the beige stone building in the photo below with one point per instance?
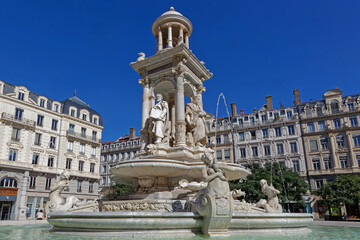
(41, 137)
(331, 134)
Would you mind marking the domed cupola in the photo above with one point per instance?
(171, 29)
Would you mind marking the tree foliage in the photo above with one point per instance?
(344, 190)
(119, 189)
(288, 182)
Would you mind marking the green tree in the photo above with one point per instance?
(288, 182)
(119, 189)
(344, 190)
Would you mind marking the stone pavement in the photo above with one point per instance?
(337, 223)
(25, 222)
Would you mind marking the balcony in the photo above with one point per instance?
(22, 122)
(81, 136)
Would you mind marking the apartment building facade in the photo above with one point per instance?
(40, 138)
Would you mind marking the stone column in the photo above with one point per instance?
(41, 203)
(23, 189)
(160, 40)
(333, 146)
(145, 101)
(181, 34)
(353, 161)
(170, 43)
(180, 112)
(187, 40)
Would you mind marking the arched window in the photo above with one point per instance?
(334, 107)
(8, 182)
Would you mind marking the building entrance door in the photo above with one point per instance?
(5, 210)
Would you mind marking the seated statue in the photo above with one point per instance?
(271, 205)
(195, 119)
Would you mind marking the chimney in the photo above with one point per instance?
(255, 111)
(132, 132)
(269, 104)
(297, 100)
(233, 110)
(281, 105)
(242, 112)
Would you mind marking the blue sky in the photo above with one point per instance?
(254, 48)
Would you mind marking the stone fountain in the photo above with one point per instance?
(179, 187)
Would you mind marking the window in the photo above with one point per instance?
(226, 138)
(48, 183)
(316, 164)
(93, 152)
(264, 118)
(15, 136)
(32, 182)
(353, 122)
(104, 169)
(313, 145)
(356, 141)
(321, 126)
(72, 112)
(337, 124)
(334, 108)
(18, 114)
(37, 139)
(319, 183)
(56, 108)
(280, 148)
(84, 116)
(79, 184)
(219, 154)
(252, 121)
(103, 180)
(343, 161)
(42, 103)
(278, 131)
(265, 133)
(296, 165)
(282, 112)
(35, 159)
(40, 120)
(311, 127)
(12, 155)
(52, 142)
(291, 129)
(340, 142)
(92, 167)
(253, 134)
(8, 182)
(71, 129)
(327, 163)
(82, 148)
(293, 147)
(358, 159)
(68, 163)
(218, 139)
(242, 152)
(70, 146)
(83, 132)
(54, 124)
(50, 161)
(254, 151)
(241, 136)
(96, 121)
(21, 96)
(227, 154)
(267, 150)
(276, 115)
(289, 114)
(351, 107)
(91, 187)
(324, 143)
(94, 133)
(81, 166)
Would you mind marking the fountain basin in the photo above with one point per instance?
(168, 223)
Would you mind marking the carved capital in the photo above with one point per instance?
(143, 72)
(144, 81)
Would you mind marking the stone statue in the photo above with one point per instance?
(56, 202)
(159, 116)
(215, 202)
(141, 56)
(195, 119)
(271, 205)
(192, 186)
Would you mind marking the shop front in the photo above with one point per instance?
(8, 198)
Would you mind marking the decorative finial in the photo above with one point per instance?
(172, 9)
(75, 93)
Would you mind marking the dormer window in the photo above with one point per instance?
(21, 96)
(72, 112)
(84, 116)
(56, 107)
(95, 121)
(42, 103)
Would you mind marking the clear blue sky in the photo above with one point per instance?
(254, 48)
